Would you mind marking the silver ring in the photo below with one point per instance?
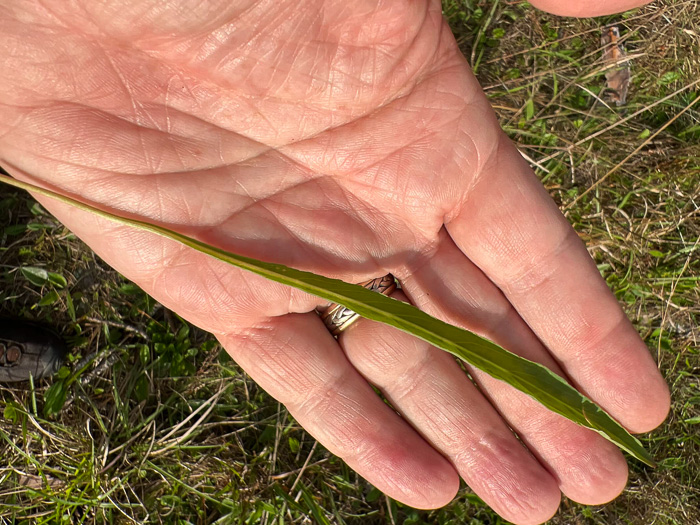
(337, 317)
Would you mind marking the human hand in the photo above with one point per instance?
(352, 141)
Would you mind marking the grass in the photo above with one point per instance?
(159, 426)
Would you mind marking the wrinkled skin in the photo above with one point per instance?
(348, 139)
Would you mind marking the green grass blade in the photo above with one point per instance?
(531, 378)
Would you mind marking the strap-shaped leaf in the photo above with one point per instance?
(531, 378)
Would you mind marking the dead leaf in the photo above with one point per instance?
(615, 58)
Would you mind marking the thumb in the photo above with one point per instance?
(584, 8)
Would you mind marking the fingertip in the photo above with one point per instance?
(587, 8)
(651, 410)
(547, 507)
(598, 473)
(637, 395)
(420, 481)
(450, 481)
(523, 493)
(546, 511)
(622, 377)
(435, 495)
(607, 487)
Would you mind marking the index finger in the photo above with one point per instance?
(510, 227)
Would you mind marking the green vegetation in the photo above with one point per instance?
(151, 422)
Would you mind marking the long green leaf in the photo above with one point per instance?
(531, 378)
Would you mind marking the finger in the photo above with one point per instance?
(525, 246)
(589, 469)
(586, 8)
(432, 392)
(297, 361)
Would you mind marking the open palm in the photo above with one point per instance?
(351, 140)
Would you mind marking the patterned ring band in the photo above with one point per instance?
(337, 317)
